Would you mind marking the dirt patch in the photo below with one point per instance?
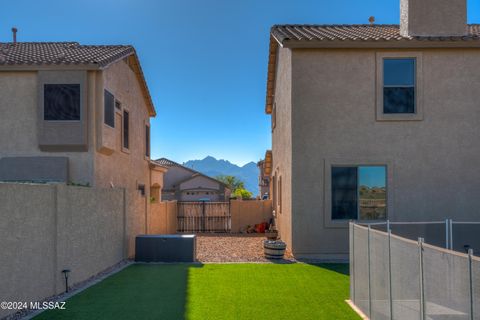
(234, 248)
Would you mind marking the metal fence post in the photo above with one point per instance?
(369, 275)
(450, 229)
(470, 275)
(352, 263)
(447, 235)
(422, 289)
(389, 233)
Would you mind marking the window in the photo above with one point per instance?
(274, 191)
(399, 85)
(280, 194)
(274, 116)
(141, 188)
(126, 129)
(147, 141)
(61, 102)
(109, 109)
(359, 192)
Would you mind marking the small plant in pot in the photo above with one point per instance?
(271, 234)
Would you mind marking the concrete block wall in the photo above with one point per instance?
(47, 228)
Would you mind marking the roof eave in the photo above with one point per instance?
(381, 44)
(272, 61)
(37, 67)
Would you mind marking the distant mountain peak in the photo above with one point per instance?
(213, 167)
(210, 158)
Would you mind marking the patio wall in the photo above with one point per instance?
(163, 218)
(47, 228)
(249, 212)
(163, 215)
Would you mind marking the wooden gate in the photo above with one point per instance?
(204, 217)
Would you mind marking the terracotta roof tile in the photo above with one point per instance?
(367, 32)
(61, 53)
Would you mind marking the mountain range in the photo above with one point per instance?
(212, 167)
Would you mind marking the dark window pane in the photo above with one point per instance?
(398, 100)
(344, 193)
(372, 182)
(399, 72)
(126, 128)
(61, 102)
(147, 141)
(109, 116)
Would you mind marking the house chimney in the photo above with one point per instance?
(371, 20)
(433, 17)
(14, 33)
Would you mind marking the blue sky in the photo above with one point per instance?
(205, 61)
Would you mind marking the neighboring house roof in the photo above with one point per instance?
(40, 55)
(267, 165)
(354, 36)
(167, 163)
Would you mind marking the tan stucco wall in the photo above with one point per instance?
(432, 163)
(163, 218)
(249, 213)
(118, 168)
(19, 125)
(199, 182)
(282, 144)
(47, 228)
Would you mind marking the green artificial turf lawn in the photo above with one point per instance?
(215, 291)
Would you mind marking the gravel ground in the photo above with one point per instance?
(234, 248)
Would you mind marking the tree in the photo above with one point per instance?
(232, 182)
(236, 186)
(244, 193)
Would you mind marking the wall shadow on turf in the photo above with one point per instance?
(140, 291)
(342, 268)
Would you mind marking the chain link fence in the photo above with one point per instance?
(393, 277)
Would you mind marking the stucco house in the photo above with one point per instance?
(374, 122)
(185, 184)
(264, 175)
(78, 114)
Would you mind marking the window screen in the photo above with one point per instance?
(147, 141)
(109, 109)
(399, 85)
(61, 102)
(359, 193)
(126, 129)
